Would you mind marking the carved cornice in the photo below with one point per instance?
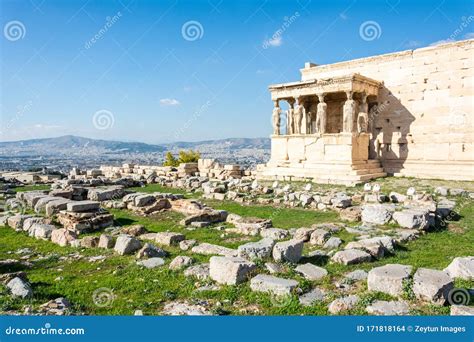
(351, 82)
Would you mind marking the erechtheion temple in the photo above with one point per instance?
(408, 113)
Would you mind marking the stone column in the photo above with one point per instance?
(321, 115)
(348, 113)
(276, 118)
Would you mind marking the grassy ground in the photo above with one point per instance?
(65, 271)
(149, 188)
(32, 188)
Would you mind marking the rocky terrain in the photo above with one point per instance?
(179, 243)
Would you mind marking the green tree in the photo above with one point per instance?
(188, 156)
(170, 160)
(183, 157)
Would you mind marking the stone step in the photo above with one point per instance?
(367, 171)
(363, 166)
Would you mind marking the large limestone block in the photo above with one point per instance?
(461, 267)
(256, 250)
(63, 236)
(230, 270)
(351, 257)
(462, 310)
(343, 304)
(151, 263)
(377, 213)
(16, 221)
(432, 285)
(311, 272)
(107, 193)
(127, 244)
(319, 237)
(42, 231)
(42, 202)
(290, 251)
(29, 222)
(55, 206)
(168, 238)
(83, 206)
(277, 286)
(210, 249)
(19, 288)
(412, 218)
(385, 308)
(274, 233)
(389, 278)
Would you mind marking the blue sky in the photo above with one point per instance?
(160, 71)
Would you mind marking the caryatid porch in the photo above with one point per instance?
(324, 135)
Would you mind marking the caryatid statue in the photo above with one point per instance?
(349, 110)
(276, 119)
(289, 120)
(299, 112)
(363, 116)
(321, 115)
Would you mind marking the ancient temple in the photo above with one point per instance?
(408, 113)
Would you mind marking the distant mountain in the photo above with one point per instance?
(63, 153)
(70, 144)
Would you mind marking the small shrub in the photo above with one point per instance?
(183, 157)
(408, 293)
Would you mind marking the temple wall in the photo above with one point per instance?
(425, 126)
(309, 149)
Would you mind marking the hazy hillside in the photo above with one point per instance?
(64, 152)
(70, 144)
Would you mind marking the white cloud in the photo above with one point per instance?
(469, 35)
(45, 127)
(412, 44)
(169, 102)
(443, 41)
(275, 41)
